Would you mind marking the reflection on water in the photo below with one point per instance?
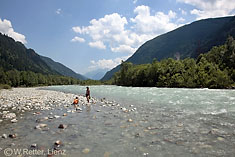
(168, 122)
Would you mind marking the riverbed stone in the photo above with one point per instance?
(9, 116)
(106, 154)
(55, 116)
(220, 138)
(12, 135)
(58, 142)
(124, 109)
(40, 126)
(62, 126)
(4, 135)
(86, 150)
(14, 120)
(130, 120)
(34, 145)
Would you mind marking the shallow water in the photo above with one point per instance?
(166, 122)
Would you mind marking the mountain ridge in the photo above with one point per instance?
(62, 69)
(15, 56)
(188, 41)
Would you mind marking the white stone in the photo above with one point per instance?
(56, 116)
(9, 116)
(40, 126)
(14, 120)
(4, 135)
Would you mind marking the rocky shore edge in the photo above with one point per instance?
(14, 102)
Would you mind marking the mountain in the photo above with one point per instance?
(187, 41)
(96, 74)
(15, 56)
(60, 68)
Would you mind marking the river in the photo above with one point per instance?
(151, 122)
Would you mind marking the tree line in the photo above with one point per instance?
(15, 78)
(215, 69)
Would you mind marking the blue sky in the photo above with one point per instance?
(86, 35)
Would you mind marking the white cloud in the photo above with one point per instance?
(77, 29)
(105, 27)
(103, 64)
(211, 8)
(97, 44)
(123, 48)
(118, 34)
(181, 20)
(58, 11)
(78, 39)
(106, 63)
(111, 29)
(135, 1)
(6, 28)
(153, 25)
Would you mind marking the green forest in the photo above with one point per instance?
(15, 78)
(215, 69)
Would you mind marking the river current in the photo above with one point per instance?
(146, 122)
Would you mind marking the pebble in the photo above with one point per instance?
(4, 135)
(62, 126)
(220, 138)
(1, 120)
(37, 113)
(14, 120)
(12, 135)
(86, 150)
(137, 135)
(40, 126)
(130, 120)
(58, 142)
(64, 114)
(5, 112)
(33, 145)
(205, 146)
(12, 144)
(124, 109)
(78, 109)
(9, 116)
(180, 125)
(106, 154)
(55, 116)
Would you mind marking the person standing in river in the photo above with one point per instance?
(88, 96)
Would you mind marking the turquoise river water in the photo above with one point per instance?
(161, 122)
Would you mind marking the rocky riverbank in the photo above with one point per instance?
(15, 102)
(32, 112)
